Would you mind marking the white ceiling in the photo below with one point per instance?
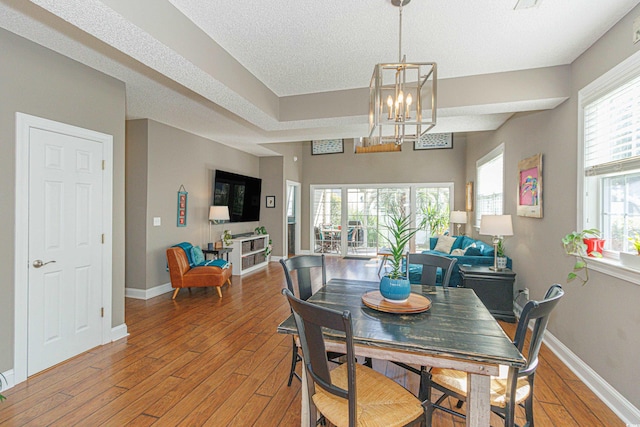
(245, 73)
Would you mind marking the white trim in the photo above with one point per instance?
(11, 380)
(624, 409)
(119, 332)
(612, 267)
(21, 263)
(146, 294)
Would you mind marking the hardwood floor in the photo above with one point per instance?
(202, 361)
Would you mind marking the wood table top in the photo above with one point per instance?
(457, 325)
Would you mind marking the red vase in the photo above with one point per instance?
(594, 245)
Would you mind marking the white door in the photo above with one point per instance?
(65, 288)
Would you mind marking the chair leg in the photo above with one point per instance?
(294, 362)
(424, 394)
(175, 293)
(219, 291)
(528, 404)
(229, 281)
(428, 413)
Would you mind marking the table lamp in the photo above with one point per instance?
(458, 218)
(496, 226)
(217, 214)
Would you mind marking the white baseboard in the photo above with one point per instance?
(146, 294)
(10, 380)
(624, 409)
(119, 332)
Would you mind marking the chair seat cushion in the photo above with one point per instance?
(456, 381)
(381, 401)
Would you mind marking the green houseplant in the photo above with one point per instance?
(393, 286)
(226, 237)
(635, 241)
(574, 245)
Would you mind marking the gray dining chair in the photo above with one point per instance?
(351, 394)
(507, 391)
(431, 264)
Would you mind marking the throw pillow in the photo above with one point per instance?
(472, 251)
(444, 244)
(458, 252)
(197, 255)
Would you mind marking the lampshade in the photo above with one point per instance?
(219, 213)
(402, 104)
(458, 217)
(496, 225)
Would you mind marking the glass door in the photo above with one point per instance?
(432, 214)
(327, 220)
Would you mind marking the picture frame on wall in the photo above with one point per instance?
(271, 201)
(434, 141)
(327, 146)
(530, 187)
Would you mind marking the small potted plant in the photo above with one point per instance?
(501, 257)
(262, 230)
(632, 260)
(574, 244)
(226, 238)
(394, 287)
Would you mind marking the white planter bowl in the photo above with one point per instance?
(631, 260)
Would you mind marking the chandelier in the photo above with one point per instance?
(402, 97)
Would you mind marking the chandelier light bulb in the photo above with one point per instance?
(409, 102)
(390, 105)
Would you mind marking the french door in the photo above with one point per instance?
(349, 220)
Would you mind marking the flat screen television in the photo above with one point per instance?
(240, 193)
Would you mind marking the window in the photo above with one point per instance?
(610, 159)
(489, 184)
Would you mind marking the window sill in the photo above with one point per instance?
(612, 267)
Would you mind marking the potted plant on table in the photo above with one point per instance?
(574, 244)
(394, 287)
(501, 258)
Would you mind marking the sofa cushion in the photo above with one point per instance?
(445, 244)
(473, 251)
(457, 252)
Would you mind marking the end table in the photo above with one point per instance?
(494, 288)
(218, 252)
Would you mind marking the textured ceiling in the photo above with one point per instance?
(245, 73)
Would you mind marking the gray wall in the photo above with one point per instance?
(599, 322)
(172, 158)
(406, 166)
(37, 81)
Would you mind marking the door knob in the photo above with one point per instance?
(38, 263)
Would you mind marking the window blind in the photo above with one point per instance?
(612, 131)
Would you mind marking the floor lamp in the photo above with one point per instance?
(497, 226)
(217, 214)
(458, 218)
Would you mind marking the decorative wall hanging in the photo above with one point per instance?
(182, 206)
(468, 197)
(327, 146)
(430, 141)
(530, 187)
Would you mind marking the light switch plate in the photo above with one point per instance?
(156, 221)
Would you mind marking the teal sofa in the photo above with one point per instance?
(481, 254)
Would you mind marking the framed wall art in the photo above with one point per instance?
(530, 187)
(431, 141)
(271, 201)
(327, 146)
(468, 197)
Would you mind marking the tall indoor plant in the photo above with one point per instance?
(394, 287)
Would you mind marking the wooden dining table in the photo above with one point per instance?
(457, 332)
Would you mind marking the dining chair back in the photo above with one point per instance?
(430, 265)
(362, 392)
(515, 388)
(305, 266)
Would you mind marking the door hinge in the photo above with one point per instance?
(102, 312)
(103, 238)
(104, 163)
